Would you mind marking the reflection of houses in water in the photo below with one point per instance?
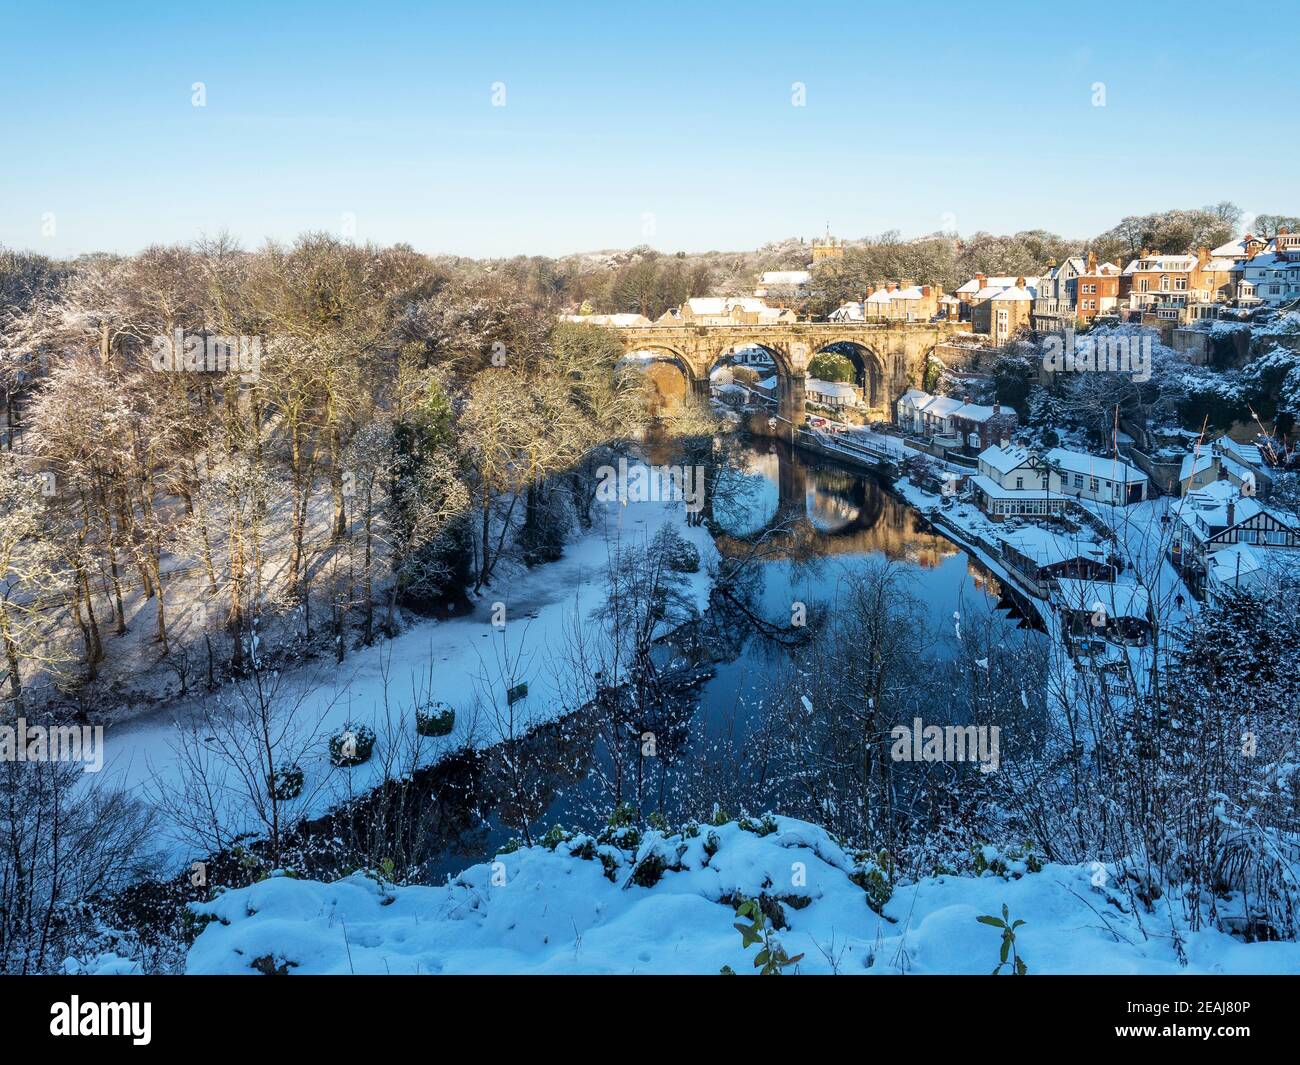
(843, 512)
(982, 579)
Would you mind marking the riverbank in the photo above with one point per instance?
(461, 661)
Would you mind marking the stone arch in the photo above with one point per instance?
(871, 367)
(789, 396)
(658, 363)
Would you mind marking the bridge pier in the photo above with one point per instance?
(793, 393)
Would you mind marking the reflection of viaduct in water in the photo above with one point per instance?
(837, 512)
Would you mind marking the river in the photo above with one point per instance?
(835, 521)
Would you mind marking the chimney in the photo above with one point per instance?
(1282, 231)
(1145, 253)
(1232, 513)
(925, 291)
(1202, 255)
(1020, 282)
(893, 287)
(1092, 262)
(997, 408)
(981, 278)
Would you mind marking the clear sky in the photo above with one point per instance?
(628, 123)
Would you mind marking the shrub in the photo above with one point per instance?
(352, 745)
(649, 870)
(682, 556)
(286, 783)
(435, 719)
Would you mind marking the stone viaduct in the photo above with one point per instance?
(890, 356)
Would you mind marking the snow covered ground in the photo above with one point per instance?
(556, 911)
(448, 660)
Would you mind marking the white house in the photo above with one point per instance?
(934, 418)
(1272, 278)
(1013, 481)
(831, 393)
(1101, 480)
(909, 407)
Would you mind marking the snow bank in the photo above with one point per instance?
(665, 904)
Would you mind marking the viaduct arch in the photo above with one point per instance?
(891, 356)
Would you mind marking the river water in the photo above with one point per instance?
(835, 520)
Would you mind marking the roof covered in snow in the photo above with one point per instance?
(1094, 465)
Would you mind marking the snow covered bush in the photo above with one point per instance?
(435, 719)
(352, 745)
(286, 783)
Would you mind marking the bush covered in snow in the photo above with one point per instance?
(574, 904)
(352, 744)
(435, 719)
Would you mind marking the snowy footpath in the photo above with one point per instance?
(666, 905)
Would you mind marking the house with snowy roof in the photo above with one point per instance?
(982, 286)
(1243, 567)
(1095, 478)
(1057, 295)
(1002, 313)
(1217, 516)
(934, 418)
(902, 301)
(1118, 612)
(1246, 247)
(618, 320)
(1241, 465)
(1040, 557)
(980, 425)
(908, 408)
(1273, 276)
(1013, 481)
(784, 285)
(726, 310)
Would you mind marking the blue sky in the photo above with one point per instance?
(665, 124)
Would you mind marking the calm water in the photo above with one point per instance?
(845, 520)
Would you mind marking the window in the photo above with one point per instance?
(1092, 484)
(1247, 536)
(1078, 480)
(1277, 537)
